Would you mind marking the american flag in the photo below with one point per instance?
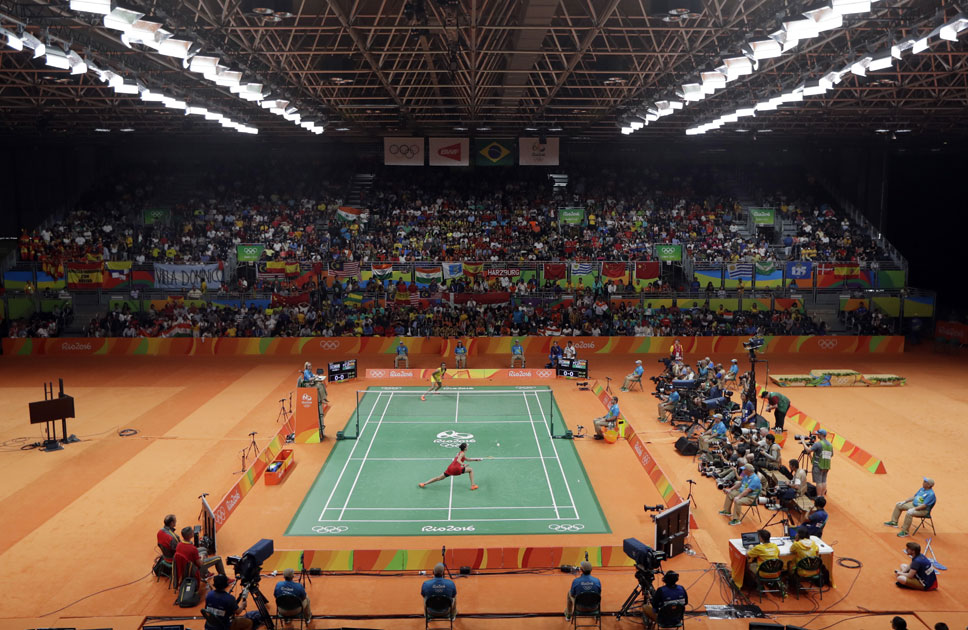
(346, 269)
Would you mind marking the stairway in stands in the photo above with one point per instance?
(362, 182)
(827, 307)
(86, 308)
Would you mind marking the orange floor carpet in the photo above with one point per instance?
(86, 516)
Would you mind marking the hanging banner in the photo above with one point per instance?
(188, 276)
(349, 214)
(426, 275)
(157, 215)
(249, 252)
(534, 152)
(449, 152)
(453, 270)
(498, 152)
(668, 253)
(763, 216)
(403, 151)
(84, 275)
(116, 273)
(573, 216)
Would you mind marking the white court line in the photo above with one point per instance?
(488, 507)
(363, 463)
(450, 500)
(440, 520)
(465, 422)
(434, 459)
(541, 455)
(356, 443)
(555, 447)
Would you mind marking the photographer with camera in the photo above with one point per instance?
(816, 519)
(821, 453)
(797, 485)
(221, 609)
(668, 405)
(715, 434)
(769, 453)
(744, 492)
(779, 405)
(670, 594)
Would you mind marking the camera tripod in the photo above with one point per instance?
(252, 450)
(261, 603)
(644, 588)
(285, 417)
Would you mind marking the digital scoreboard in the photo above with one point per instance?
(572, 368)
(341, 370)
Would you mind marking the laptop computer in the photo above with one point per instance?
(750, 539)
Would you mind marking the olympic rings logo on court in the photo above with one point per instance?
(827, 344)
(453, 439)
(330, 529)
(406, 150)
(566, 527)
(329, 345)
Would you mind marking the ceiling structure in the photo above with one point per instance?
(486, 67)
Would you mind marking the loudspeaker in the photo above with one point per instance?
(685, 446)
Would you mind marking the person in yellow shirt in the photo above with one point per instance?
(766, 550)
(803, 547)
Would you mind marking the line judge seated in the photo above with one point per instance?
(402, 355)
(582, 584)
(438, 587)
(517, 354)
(288, 588)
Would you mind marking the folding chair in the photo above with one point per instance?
(808, 570)
(163, 564)
(926, 517)
(293, 606)
(755, 508)
(212, 622)
(670, 617)
(587, 606)
(636, 381)
(437, 609)
(770, 573)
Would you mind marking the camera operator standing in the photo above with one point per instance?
(779, 405)
(821, 454)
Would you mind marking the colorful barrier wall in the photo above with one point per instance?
(223, 510)
(840, 443)
(951, 332)
(424, 374)
(355, 346)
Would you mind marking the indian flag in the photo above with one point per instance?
(349, 213)
(381, 271)
(425, 275)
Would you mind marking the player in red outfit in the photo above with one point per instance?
(457, 468)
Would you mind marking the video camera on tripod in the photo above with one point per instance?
(248, 572)
(647, 563)
(806, 441)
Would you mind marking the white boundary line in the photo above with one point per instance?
(435, 459)
(464, 422)
(555, 448)
(450, 500)
(355, 444)
(440, 520)
(541, 455)
(515, 507)
(363, 463)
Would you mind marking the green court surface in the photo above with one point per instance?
(533, 485)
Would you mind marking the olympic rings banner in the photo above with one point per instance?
(403, 151)
(430, 346)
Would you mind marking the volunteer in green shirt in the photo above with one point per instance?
(779, 405)
(821, 454)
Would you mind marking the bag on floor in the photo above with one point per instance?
(189, 593)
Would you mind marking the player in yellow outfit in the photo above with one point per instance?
(436, 381)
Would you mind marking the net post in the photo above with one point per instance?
(565, 433)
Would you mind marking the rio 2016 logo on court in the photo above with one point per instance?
(447, 528)
(453, 439)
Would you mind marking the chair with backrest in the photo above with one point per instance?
(636, 381)
(293, 607)
(753, 507)
(182, 568)
(437, 609)
(670, 617)
(926, 517)
(770, 574)
(163, 564)
(588, 605)
(808, 570)
(212, 622)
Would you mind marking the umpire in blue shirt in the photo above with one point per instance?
(290, 587)
(439, 585)
(584, 583)
(668, 595)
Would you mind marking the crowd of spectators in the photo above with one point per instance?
(863, 321)
(40, 324)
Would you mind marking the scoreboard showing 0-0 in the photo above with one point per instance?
(573, 368)
(341, 371)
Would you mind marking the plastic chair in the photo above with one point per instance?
(808, 570)
(212, 622)
(926, 517)
(437, 609)
(770, 573)
(670, 617)
(293, 606)
(164, 563)
(587, 606)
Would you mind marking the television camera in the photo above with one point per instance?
(754, 343)
(806, 440)
(647, 563)
(248, 572)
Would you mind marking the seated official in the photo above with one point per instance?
(290, 587)
(439, 585)
(668, 595)
(919, 574)
(765, 550)
(816, 519)
(460, 355)
(745, 492)
(194, 558)
(554, 354)
(608, 421)
(584, 583)
(403, 356)
(571, 351)
(167, 538)
(635, 375)
(308, 379)
(668, 405)
(517, 354)
(715, 434)
(221, 608)
(803, 547)
(918, 505)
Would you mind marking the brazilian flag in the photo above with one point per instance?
(498, 152)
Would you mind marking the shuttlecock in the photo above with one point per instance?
(498, 443)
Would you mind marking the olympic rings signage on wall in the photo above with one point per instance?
(330, 529)
(827, 344)
(566, 527)
(403, 151)
(329, 344)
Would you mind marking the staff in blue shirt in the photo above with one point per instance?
(608, 420)
(635, 376)
(439, 585)
(919, 574)
(669, 595)
(290, 587)
(460, 355)
(714, 434)
(554, 354)
(744, 492)
(918, 505)
(815, 521)
(584, 583)
(517, 354)
(402, 355)
(668, 405)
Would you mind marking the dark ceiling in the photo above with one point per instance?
(485, 67)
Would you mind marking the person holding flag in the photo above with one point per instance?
(436, 381)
